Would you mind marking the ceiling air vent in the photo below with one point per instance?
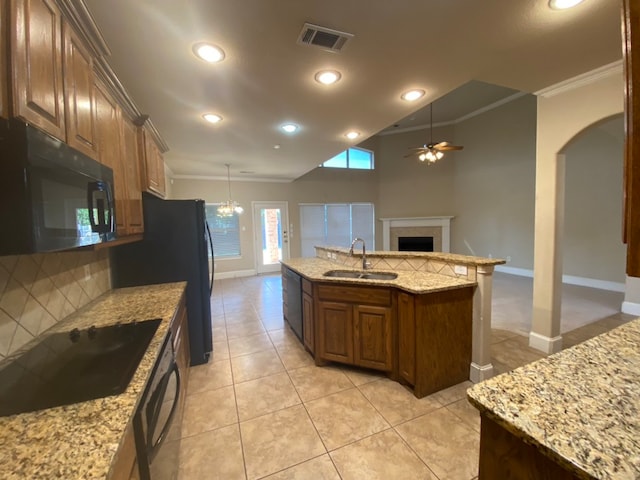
(322, 37)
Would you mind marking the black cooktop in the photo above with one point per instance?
(75, 366)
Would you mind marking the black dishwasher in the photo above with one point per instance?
(294, 302)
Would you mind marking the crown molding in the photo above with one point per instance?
(614, 68)
(475, 113)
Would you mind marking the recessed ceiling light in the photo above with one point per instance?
(327, 77)
(212, 117)
(563, 4)
(276, 146)
(412, 95)
(208, 52)
(289, 127)
(352, 135)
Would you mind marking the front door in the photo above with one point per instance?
(271, 235)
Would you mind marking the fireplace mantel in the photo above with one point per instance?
(444, 223)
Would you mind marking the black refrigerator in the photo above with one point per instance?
(176, 247)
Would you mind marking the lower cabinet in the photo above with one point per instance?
(307, 319)
(355, 333)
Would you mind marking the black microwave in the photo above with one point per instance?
(52, 197)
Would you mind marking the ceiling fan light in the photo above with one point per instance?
(230, 207)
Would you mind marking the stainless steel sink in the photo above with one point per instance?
(363, 275)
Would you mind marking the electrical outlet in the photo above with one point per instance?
(329, 255)
(460, 269)
(87, 273)
(490, 255)
(508, 258)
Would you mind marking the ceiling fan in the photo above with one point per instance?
(432, 152)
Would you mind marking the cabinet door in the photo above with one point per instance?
(108, 135)
(131, 166)
(631, 40)
(4, 79)
(335, 331)
(79, 98)
(152, 165)
(36, 54)
(406, 337)
(373, 337)
(307, 321)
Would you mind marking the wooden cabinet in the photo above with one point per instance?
(79, 97)
(36, 65)
(434, 350)
(4, 78)
(134, 223)
(152, 164)
(355, 326)
(631, 61)
(308, 324)
(285, 294)
(124, 461)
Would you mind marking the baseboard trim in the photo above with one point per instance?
(545, 344)
(631, 308)
(478, 373)
(236, 274)
(568, 279)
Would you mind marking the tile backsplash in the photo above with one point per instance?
(37, 291)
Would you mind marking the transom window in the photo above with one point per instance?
(354, 158)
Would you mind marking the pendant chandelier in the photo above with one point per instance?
(228, 208)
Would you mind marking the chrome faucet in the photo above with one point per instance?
(365, 264)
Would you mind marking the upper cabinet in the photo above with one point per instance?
(4, 79)
(36, 64)
(130, 159)
(151, 163)
(79, 94)
(631, 58)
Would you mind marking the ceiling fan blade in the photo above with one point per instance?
(424, 147)
(446, 146)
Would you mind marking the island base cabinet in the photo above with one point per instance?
(443, 336)
(505, 456)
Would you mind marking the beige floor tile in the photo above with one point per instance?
(265, 395)
(344, 417)
(219, 333)
(360, 376)
(452, 394)
(383, 456)
(279, 440)
(209, 376)
(273, 322)
(220, 351)
(466, 412)
(295, 357)
(320, 468)
(283, 337)
(252, 344)
(445, 443)
(245, 329)
(315, 382)
(215, 455)
(209, 410)
(395, 402)
(255, 365)
(515, 352)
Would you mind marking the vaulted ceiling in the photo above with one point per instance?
(267, 78)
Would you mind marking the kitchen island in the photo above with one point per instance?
(86, 440)
(573, 415)
(416, 327)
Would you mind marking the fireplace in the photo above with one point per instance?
(415, 244)
(436, 227)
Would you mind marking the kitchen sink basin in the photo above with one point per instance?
(363, 275)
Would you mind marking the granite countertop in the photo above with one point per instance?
(410, 281)
(79, 441)
(446, 257)
(580, 407)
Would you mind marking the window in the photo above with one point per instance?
(354, 158)
(225, 232)
(335, 224)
